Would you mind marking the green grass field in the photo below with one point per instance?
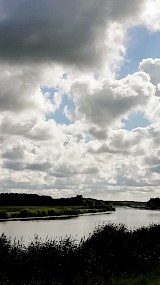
(42, 211)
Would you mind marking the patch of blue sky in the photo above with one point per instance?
(141, 44)
(49, 90)
(135, 120)
(58, 115)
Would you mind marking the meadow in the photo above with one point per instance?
(112, 255)
(9, 212)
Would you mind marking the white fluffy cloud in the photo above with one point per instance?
(152, 67)
(111, 100)
(150, 15)
(51, 49)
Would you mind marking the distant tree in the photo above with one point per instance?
(79, 200)
(154, 203)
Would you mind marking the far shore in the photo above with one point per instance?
(18, 207)
(52, 217)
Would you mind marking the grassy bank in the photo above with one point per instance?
(111, 255)
(7, 212)
(131, 204)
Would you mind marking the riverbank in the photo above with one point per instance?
(46, 218)
(130, 204)
(13, 213)
(111, 255)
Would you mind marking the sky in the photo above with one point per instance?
(80, 98)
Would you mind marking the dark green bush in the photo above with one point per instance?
(29, 213)
(110, 250)
(51, 212)
(24, 213)
(3, 214)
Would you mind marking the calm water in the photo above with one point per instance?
(79, 226)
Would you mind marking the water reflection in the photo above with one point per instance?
(77, 226)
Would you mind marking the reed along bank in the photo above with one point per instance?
(111, 253)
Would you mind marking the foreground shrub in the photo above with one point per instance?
(112, 250)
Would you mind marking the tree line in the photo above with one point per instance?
(16, 199)
(154, 203)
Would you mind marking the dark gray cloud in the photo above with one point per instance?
(104, 148)
(45, 166)
(21, 165)
(64, 171)
(90, 170)
(98, 133)
(155, 168)
(66, 31)
(14, 165)
(14, 153)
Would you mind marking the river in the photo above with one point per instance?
(77, 227)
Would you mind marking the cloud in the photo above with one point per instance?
(20, 95)
(44, 130)
(155, 168)
(73, 32)
(50, 49)
(152, 67)
(150, 15)
(111, 100)
(119, 142)
(88, 153)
